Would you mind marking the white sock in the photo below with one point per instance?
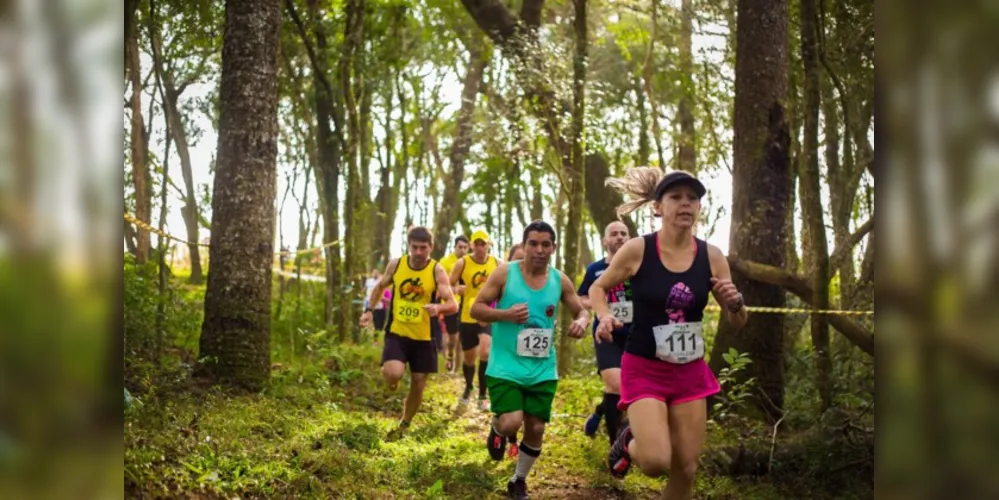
(525, 460)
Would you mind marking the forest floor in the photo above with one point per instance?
(322, 429)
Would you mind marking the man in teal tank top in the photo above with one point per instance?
(522, 375)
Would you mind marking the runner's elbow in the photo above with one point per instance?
(476, 312)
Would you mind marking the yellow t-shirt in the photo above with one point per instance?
(411, 290)
(448, 262)
(474, 276)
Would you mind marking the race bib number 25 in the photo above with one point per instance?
(679, 343)
(623, 311)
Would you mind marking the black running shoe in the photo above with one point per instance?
(517, 489)
(496, 444)
(618, 460)
(592, 425)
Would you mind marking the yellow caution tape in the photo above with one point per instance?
(796, 310)
(164, 234)
(755, 309)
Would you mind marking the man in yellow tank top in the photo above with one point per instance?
(414, 279)
(469, 275)
(451, 320)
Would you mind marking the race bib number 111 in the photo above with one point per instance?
(679, 343)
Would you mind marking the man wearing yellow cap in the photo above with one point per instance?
(451, 321)
(469, 275)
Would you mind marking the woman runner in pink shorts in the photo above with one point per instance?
(664, 379)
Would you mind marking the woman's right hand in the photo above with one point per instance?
(605, 328)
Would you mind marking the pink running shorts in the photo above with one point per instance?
(670, 383)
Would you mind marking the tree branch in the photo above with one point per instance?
(853, 331)
(842, 253)
(530, 13)
(493, 18)
(308, 46)
(194, 76)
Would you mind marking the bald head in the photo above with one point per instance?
(615, 235)
(615, 226)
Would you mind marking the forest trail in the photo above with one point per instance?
(324, 430)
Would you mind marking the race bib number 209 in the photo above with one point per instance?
(408, 312)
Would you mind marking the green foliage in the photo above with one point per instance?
(735, 394)
(180, 324)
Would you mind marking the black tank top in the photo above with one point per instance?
(662, 297)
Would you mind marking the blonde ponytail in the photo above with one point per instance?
(640, 184)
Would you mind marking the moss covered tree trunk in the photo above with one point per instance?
(576, 173)
(817, 252)
(141, 180)
(356, 203)
(761, 189)
(235, 335)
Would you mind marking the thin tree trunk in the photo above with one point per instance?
(382, 224)
(162, 245)
(355, 207)
(140, 170)
(235, 335)
(328, 107)
(170, 97)
(453, 199)
(811, 204)
(761, 190)
(402, 170)
(576, 175)
(18, 206)
(649, 91)
(687, 158)
(643, 124)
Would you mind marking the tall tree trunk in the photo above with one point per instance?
(811, 203)
(576, 175)
(355, 206)
(329, 106)
(761, 190)
(643, 124)
(235, 335)
(687, 158)
(382, 236)
(171, 96)
(649, 91)
(453, 199)
(140, 170)
(402, 167)
(18, 208)
(161, 243)
(537, 199)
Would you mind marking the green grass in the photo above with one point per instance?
(323, 432)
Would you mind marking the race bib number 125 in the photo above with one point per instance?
(534, 342)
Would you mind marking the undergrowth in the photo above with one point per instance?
(323, 429)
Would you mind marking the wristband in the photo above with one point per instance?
(367, 309)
